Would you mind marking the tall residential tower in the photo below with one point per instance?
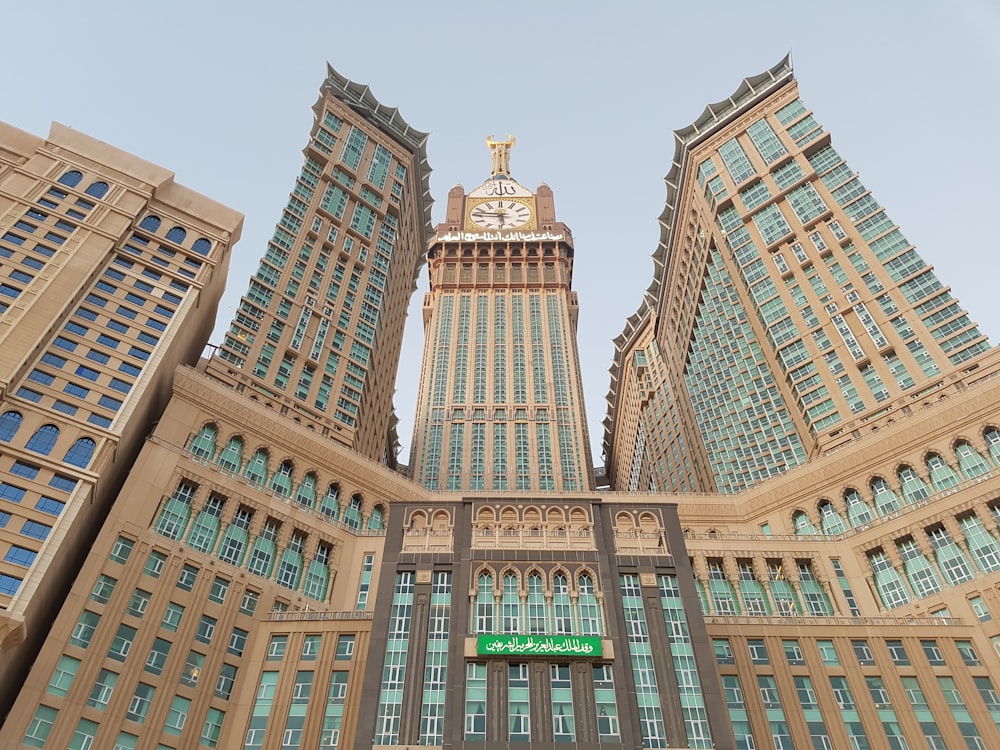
(110, 276)
(787, 308)
(318, 333)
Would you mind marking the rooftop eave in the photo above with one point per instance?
(750, 91)
(359, 97)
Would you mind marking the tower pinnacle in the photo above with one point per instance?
(501, 155)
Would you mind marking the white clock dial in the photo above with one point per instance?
(501, 214)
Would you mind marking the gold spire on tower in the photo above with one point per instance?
(501, 155)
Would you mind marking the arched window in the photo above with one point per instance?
(329, 506)
(562, 611)
(176, 234)
(203, 444)
(231, 458)
(151, 223)
(992, 437)
(317, 580)
(305, 495)
(71, 178)
(914, 488)
(536, 605)
(201, 246)
(289, 573)
(256, 468)
(352, 516)
(376, 521)
(510, 605)
(281, 482)
(886, 500)
(919, 572)
(858, 512)
(590, 609)
(830, 519)
(802, 523)
(942, 475)
(484, 604)
(970, 462)
(97, 189)
(44, 439)
(80, 452)
(10, 421)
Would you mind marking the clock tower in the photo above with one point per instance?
(500, 405)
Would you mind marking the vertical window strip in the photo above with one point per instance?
(738, 716)
(475, 702)
(334, 713)
(460, 369)
(436, 665)
(640, 652)
(480, 368)
(682, 651)
(500, 350)
(606, 704)
(261, 711)
(394, 671)
(561, 692)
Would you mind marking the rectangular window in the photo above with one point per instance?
(138, 603)
(345, 647)
(206, 629)
(187, 578)
(121, 550)
(103, 688)
(63, 675)
(122, 643)
(238, 641)
(226, 680)
(154, 564)
(141, 700)
(219, 588)
(157, 657)
(172, 617)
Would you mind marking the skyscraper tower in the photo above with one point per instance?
(500, 405)
(788, 307)
(319, 331)
(258, 485)
(110, 276)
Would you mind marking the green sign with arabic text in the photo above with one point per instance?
(538, 645)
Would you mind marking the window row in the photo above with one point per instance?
(858, 650)
(747, 591)
(282, 482)
(262, 547)
(178, 235)
(536, 603)
(910, 487)
(948, 553)
(44, 439)
(899, 703)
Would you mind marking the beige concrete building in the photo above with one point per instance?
(318, 333)
(167, 634)
(111, 276)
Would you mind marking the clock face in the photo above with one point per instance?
(500, 214)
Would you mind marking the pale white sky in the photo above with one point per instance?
(221, 92)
